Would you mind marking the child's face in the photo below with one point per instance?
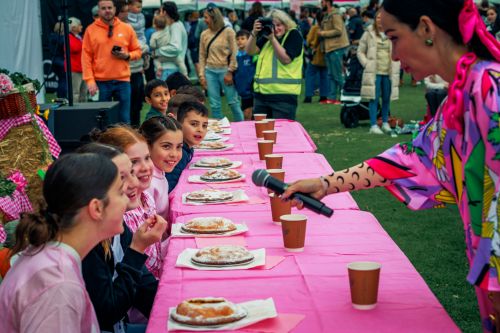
(241, 41)
(114, 210)
(166, 152)
(130, 182)
(141, 164)
(159, 99)
(194, 128)
(135, 7)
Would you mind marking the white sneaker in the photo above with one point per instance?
(386, 128)
(375, 130)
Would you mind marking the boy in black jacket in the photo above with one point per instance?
(193, 117)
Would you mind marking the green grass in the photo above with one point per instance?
(433, 240)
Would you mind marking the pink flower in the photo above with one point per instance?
(18, 179)
(6, 84)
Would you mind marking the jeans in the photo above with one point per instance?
(316, 74)
(120, 91)
(167, 71)
(215, 81)
(334, 63)
(382, 88)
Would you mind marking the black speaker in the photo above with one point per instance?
(71, 124)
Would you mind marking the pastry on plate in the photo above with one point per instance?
(220, 175)
(212, 137)
(209, 195)
(214, 162)
(222, 255)
(208, 311)
(208, 225)
(211, 145)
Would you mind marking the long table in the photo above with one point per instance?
(292, 138)
(313, 283)
(296, 166)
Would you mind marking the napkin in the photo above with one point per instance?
(271, 262)
(236, 240)
(257, 310)
(176, 232)
(184, 260)
(283, 323)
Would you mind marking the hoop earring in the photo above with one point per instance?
(429, 42)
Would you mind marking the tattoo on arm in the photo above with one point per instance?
(362, 176)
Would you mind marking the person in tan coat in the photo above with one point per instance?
(380, 75)
(316, 70)
(334, 38)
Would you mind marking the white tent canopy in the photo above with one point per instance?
(20, 26)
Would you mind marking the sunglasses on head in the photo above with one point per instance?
(110, 31)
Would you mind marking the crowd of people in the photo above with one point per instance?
(91, 258)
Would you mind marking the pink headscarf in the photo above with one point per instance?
(470, 23)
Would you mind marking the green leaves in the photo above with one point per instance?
(20, 79)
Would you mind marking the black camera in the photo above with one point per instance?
(267, 26)
(116, 48)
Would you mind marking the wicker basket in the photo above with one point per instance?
(13, 104)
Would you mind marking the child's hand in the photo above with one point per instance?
(149, 232)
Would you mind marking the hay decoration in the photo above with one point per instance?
(21, 150)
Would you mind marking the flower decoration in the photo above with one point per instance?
(6, 84)
(18, 179)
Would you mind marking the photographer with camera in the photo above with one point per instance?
(278, 77)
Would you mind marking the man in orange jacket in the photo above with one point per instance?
(108, 45)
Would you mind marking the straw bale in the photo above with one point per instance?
(21, 150)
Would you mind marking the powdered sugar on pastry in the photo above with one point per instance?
(208, 225)
(222, 255)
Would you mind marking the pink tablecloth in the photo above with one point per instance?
(296, 165)
(313, 283)
(292, 138)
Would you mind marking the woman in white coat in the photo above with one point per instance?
(380, 76)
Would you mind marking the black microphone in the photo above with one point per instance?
(261, 177)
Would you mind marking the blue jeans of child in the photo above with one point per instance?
(316, 74)
(334, 63)
(119, 91)
(215, 81)
(382, 89)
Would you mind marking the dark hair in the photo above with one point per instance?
(444, 13)
(193, 91)
(367, 13)
(171, 9)
(256, 9)
(187, 107)
(153, 128)
(152, 85)
(177, 80)
(242, 33)
(70, 183)
(177, 100)
(100, 149)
